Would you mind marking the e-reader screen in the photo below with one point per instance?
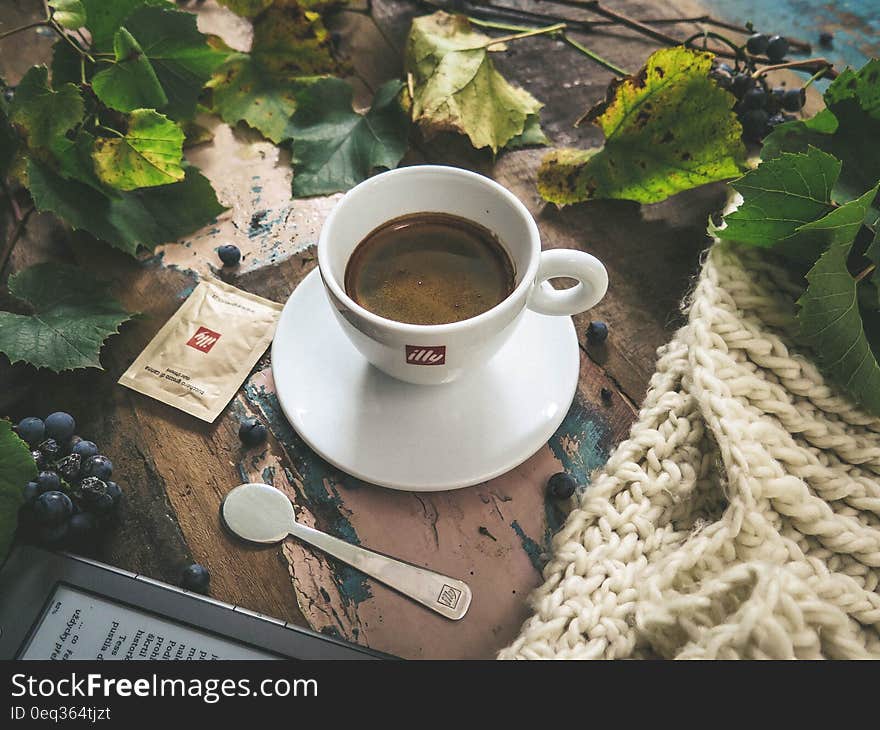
(79, 625)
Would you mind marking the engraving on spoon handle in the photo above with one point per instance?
(447, 596)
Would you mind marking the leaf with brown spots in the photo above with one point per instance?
(667, 129)
(290, 48)
(148, 155)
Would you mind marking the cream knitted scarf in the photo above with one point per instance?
(741, 519)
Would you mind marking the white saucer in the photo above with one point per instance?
(421, 438)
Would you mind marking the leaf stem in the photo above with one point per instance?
(110, 130)
(36, 24)
(716, 36)
(498, 26)
(864, 272)
(594, 56)
(73, 44)
(525, 34)
(9, 244)
(825, 66)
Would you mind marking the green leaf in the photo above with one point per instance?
(831, 323)
(105, 17)
(532, 135)
(72, 316)
(244, 93)
(130, 82)
(852, 116)
(17, 468)
(667, 129)
(178, 53)
(43, 113)
(455, 86)
(841, 225)
(246, 8)
(289, 49)
(66, 67)
(74, 157)
(149, 154)
(780, 196)
(145, 217)
(335, 148)
(70, 14)
(862, 85)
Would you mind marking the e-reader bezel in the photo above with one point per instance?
(30, 577)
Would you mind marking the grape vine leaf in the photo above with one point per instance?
(667, 129)
(149, 154)
(842, 224)
(45, 114)
(178, 53)
(290, 48)
(74, 157)
(831, 323)
(852, 116)
(66, 68)
(127, 220)
(72, 316)
(70, 14)
(334, 147)
(456, 87)
(130, 82)
(780, 196)
(532, 135)
(105, 17)
(17, 468)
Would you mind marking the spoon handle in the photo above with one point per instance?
(449, 597)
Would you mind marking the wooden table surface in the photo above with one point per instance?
(175, 469)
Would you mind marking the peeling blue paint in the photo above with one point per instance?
(316, 489)
(268, 475)
(532, 549)
(186, 291)
(587, 427)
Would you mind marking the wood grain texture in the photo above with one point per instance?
(175, 469)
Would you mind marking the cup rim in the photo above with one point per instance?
(433, 329)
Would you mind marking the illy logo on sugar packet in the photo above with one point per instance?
(426, 354)
(204, 339)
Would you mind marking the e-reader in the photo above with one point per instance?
(61, 606)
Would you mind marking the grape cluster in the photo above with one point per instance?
(73, 499)
(759, 107)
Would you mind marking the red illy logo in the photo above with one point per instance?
(426, 355)
(204, 339)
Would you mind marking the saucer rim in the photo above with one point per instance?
(432, 486)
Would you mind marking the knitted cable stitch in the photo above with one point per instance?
(741, 518)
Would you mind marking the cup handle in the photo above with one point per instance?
(588, 292)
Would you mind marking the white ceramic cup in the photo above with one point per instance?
(434, 354)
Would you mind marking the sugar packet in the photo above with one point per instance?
(201, 356)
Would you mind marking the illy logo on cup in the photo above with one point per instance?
(425, 354)
(204, 339)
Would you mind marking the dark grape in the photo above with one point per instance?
(60, 426)
(741, 84)
(757, 43)
(597, 332)
(50, 449)
(69, 467)
(794, 99)
(754, 123)
(31, 429)
(777, 48)
(85, 449)
(52, 508)
(30, 492)
(754, 98)
(98, 466)
(229, 254)
(48, 481)
(196, 578)
(826, 39)
(252, 432)
(53, 535)
(562, 485)
(83, 527)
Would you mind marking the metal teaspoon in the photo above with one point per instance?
(261, 513)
